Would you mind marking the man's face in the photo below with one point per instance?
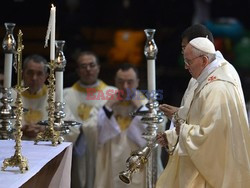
(34, 76)
(126, 81)
(88, 69)
(195, 64)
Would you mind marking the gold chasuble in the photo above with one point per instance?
(122, 119)
(36, 105)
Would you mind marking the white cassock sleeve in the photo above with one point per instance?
(107, 127)
(135, 131)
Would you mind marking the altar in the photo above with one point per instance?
(49, 166)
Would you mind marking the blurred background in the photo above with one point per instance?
(114, 30)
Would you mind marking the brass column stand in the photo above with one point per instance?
(50, 134)
(18, 159)
(59, 123)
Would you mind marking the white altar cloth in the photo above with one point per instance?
(38, 157)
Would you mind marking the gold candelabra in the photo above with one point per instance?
(50, 134)
(18, 159)
(59, 123)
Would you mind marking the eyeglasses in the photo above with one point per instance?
(188, 62)
(90, 65)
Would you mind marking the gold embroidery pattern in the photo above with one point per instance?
(83, 111)
(32, 116)
(125, 103)
(123, 122)
(41, 93)
(78, 87)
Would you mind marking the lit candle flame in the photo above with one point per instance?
(151, 48)
(9, 40)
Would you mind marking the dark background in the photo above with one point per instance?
(92, 25)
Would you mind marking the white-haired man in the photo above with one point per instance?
(212, 128)
(35, 97)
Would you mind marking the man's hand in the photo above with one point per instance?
(162, 139)
(114, 99)
(137, 102)
(31, 130)
(168, 110)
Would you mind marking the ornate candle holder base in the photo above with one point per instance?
(67, 124)
(59, 124)
(6, 130)
(59, 115)
(49, 135)
(16, 161)
(6, 114)
(64, 127)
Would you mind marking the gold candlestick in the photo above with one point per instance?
(50, 134)
(18, 160)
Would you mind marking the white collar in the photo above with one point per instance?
(211, 67)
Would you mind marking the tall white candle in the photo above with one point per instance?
(151, 75)
(7, 70)
(59, 86)
(53, 32)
